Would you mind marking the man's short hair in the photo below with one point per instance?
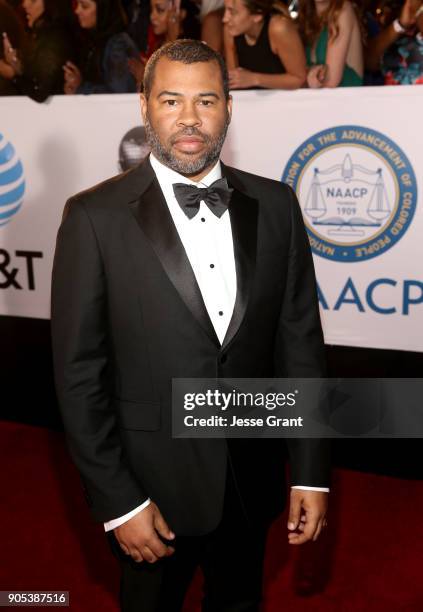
(186, 51)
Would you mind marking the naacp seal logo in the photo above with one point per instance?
(12, 181)
(357, 190)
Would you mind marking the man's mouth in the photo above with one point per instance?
(189, 144)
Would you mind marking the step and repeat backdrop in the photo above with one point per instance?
(353, 156)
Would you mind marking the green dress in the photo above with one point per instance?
(350, 78)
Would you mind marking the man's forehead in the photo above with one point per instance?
(171, 70)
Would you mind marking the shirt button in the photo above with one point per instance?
(211, 265)
(221, 312)
(202, 219)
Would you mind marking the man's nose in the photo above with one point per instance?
(189, 115)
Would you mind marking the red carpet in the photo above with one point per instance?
(370, 559)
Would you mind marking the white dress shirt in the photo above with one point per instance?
(207, 240)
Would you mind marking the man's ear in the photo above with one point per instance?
(143, 104)
(229, 107)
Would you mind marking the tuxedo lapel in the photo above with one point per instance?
(243, 211)
(153, 216)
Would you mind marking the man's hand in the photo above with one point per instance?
(307, 515)
(138, 536)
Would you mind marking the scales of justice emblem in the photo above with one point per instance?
(347, 200)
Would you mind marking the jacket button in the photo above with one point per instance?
(223, 358)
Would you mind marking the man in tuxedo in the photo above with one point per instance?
(185, 268)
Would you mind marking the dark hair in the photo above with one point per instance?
(186, 51)
(191, 24)
(11, 24)
(56, 12)
(111, 19)
(265, 7)
(310, 23)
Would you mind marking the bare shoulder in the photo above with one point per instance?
(280, 25)
(347, 14)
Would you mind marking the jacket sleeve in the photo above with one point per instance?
(299, 350)
(82, 358)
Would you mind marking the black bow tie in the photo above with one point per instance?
(216, 197)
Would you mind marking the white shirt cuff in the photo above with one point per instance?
(311, 488)
(122, 519)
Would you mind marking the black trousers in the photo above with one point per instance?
(231, 559)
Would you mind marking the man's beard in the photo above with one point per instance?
(186, 167)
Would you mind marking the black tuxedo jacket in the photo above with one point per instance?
(128, 316)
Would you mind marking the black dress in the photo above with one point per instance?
(50, 47)
(258, 57)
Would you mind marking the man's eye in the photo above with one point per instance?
(206, 102)
(170, 102)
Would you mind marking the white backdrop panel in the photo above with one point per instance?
(353, 156)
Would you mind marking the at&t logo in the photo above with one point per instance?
(12, 181)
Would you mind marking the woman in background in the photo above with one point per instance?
(211, 15)
(13, 38)
(332, 36)
(36, 69)
(169, 20)
(397, 49)
(262, 46)
(105, 49)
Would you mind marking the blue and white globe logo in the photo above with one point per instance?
(357, 191)
(12, 181)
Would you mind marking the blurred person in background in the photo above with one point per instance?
(105, 48)
(169, 20)
(211, 15)
(17, 6)
(173, 19)
(133, 149)
(36, 68)
(332, 36)
(13, 33)
(138, 13)
(371, 15)
(263, 48)
(397, 49)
